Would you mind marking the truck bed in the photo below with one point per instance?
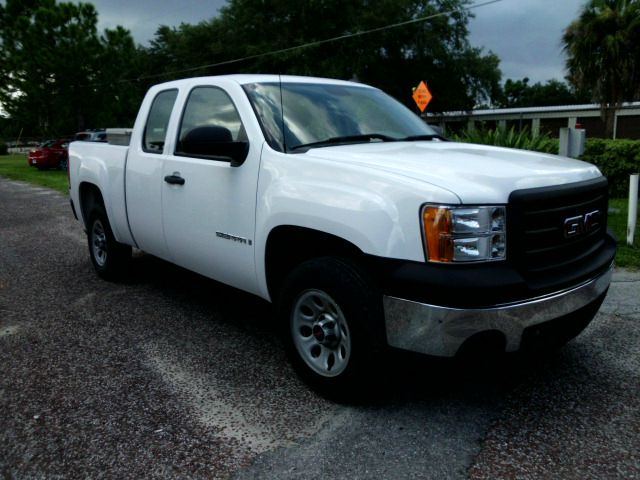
(104, 164)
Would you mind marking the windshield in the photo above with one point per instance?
(319, 115)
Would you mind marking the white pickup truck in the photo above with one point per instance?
(366, 228)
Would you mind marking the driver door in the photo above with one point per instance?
(209, 205)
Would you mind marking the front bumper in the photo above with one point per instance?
(441, 331)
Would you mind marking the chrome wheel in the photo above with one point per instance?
(110, 258)
(99, 243)
(320, 333)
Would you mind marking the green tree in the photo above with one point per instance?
(603, 50)
(117, 94)
(175, 49)
(518, 93)
(56, 74)
(395, 60)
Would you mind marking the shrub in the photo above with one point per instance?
(3, 149)
(616, 159)
(511, 138)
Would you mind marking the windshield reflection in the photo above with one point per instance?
(314, 113)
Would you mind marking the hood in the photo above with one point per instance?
(475, 173)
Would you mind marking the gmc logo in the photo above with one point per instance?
(581, 224)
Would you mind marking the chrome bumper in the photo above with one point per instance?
(440, 331)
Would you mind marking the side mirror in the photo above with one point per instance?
(240, 154)
(215, 143)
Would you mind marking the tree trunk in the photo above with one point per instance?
(608, 115)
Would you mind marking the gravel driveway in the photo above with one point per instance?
(175, 376)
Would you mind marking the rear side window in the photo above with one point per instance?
(155, 130)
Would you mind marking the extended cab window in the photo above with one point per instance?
(211, 126)
(155, 131)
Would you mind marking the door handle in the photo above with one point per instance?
(174, 179)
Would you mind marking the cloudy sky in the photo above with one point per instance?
(525, 34)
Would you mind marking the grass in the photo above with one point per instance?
(15, 167)
(627, 257)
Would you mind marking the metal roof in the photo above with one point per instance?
(519, 110)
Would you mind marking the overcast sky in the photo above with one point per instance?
(525, 34)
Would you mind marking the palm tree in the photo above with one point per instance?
(603, 50)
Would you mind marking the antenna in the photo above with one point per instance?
(284, 139)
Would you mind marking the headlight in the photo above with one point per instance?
(464, 234)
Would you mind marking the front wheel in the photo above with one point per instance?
(110, 258)
(331, 318)
(320, 333)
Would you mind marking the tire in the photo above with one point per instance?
(332, 325)
(111, 260)
(64, 163)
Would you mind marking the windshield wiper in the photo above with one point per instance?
(415, 138)
(366, 137)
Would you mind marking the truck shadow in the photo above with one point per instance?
(405, 377)
(228, 304)
(495, 374)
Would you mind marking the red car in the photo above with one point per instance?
(51, 154)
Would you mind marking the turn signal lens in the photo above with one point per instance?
(437, 232)
(464, 234)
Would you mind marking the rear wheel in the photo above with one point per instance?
(331, 318)
(110, 258)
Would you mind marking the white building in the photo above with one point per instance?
(544, 119)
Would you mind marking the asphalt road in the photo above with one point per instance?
(175, 376)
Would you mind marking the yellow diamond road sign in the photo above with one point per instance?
(422, 96)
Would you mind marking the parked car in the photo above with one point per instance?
(50, 154)
(91, 136)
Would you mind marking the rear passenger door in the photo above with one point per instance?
(208, 204)
(143, 183)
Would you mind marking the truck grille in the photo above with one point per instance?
(556, 227)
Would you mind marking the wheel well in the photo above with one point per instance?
(288, 246)
(89, 196)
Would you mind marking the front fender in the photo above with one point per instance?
(376, 211)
